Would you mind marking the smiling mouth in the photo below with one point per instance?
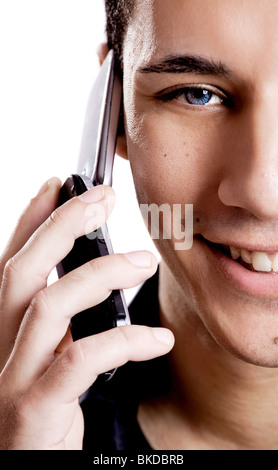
(256, 261)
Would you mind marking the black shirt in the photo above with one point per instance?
(110, 408)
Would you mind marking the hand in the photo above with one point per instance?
(43, 372)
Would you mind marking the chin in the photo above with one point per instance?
(240, 323)
(251, 344)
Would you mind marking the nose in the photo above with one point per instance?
(250, 176)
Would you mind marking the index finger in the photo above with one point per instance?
(51, 242)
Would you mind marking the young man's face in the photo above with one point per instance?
(213, 143)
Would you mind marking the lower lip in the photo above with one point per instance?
(249, 282)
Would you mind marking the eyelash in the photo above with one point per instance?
(178, 92)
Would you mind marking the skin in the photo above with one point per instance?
(43, 371)
(222, 160)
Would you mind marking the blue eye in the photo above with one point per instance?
(193, 96)
(198, 96)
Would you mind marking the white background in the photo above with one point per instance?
(48, 64)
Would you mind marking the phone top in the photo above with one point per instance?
(99, 137)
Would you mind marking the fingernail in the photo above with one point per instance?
(142, 259)
(163, 335)
(44, 188)
(93, 195)
(51, 184)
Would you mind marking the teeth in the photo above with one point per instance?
(235, 253)
(275, 263)
(260, 261)
(246, 256)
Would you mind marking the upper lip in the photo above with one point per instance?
(242, 245)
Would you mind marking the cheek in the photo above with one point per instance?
(174, 159)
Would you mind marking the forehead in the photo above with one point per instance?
(238, 31)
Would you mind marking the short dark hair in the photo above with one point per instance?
(118, 15)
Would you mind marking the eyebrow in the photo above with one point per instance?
(188, 64)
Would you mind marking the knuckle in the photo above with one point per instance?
(55, 218)
(75, 277)
(120, 336)
(11, 268)
(73, 357)
(39, 304)
(96, 266)
(123, 333)
(61, 220)
(105, 264)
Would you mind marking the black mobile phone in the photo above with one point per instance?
(95, 167)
